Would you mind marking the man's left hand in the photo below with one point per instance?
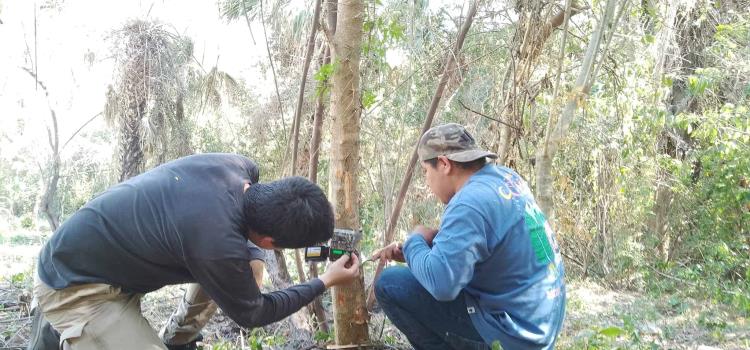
(427, 233)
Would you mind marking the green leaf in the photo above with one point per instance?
(612, 332)
(368, 99)
(325, 72)
(667, 81)
(396, 30)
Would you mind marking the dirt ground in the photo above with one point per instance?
(597, 317)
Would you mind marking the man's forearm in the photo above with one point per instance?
(279, 304)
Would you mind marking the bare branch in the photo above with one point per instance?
(461, 103)
(81, 128)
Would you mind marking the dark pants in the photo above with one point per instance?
(426, 322)
(43, 336)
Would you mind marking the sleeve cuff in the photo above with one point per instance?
(412, 241)
(317, 286)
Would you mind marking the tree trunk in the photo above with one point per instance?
(531, 34)
(47, 199)
(53, 217)
(690, 40)
(298, 115)
(270, 61)
(557, 134)
(312, 174)
(131, 146)
(324, 58)
(277, 271)
(303, 80)
(450, 66)
(350, 314)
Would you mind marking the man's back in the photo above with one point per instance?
(517, 289)
(139, 233)
(494, 245)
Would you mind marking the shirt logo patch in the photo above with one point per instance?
(539, 233)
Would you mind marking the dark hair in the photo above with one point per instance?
(293, 211)
(472, 165)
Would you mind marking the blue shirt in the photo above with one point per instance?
(495, 244)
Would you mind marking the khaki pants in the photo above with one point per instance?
(195, 310)
(101, 316)
(96, 316)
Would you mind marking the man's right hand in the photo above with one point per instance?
(338, 273)
(392, 251)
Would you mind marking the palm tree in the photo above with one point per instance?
(145, 103)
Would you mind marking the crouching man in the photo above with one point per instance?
(186, 221)
(491, 273)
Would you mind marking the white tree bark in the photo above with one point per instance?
(557, 134)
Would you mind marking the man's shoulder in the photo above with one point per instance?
(215, 158)
(475, 194)
(217, 163)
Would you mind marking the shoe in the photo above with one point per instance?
(193, 345)
(43, 336)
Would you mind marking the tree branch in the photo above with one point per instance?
(81, 128)
(436, 97)
(461, 103)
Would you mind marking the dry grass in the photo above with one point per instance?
(665, 323)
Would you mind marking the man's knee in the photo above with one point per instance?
(399, 277)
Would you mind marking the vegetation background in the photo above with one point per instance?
(630, 119)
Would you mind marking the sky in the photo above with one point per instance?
(70, 30)
(66, 34)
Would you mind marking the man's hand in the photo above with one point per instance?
(390, 252)
(426, 232)
(338, 273)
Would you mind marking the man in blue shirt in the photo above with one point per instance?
(492, 272)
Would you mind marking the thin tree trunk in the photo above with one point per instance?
(279, 274)
(324, 59)
(303, 81)
(298, 116)
(48, 197)
(450, 66)
(317, 130)
(54, 176)
(270, 60)
(277, 266)
(318, 309)
(350, 314)
(531, 35)
(690, 40)
(555, 136)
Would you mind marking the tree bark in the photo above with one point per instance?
(450, 66)
(303, 80)
(531, 35)
(690, 40)
(298, 115)
(270, 61)
(350, 314)
(557, 134)
(53, 217)
(312, 174)
(279, 274)
(50, 192)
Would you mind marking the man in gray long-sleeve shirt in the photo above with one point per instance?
(185, 221)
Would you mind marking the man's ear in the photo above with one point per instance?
(265, 242)
(444, 165)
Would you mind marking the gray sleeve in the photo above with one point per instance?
(229, 282)
(252, 170)
(255, 252)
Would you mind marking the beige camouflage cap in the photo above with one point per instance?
(450, 140)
